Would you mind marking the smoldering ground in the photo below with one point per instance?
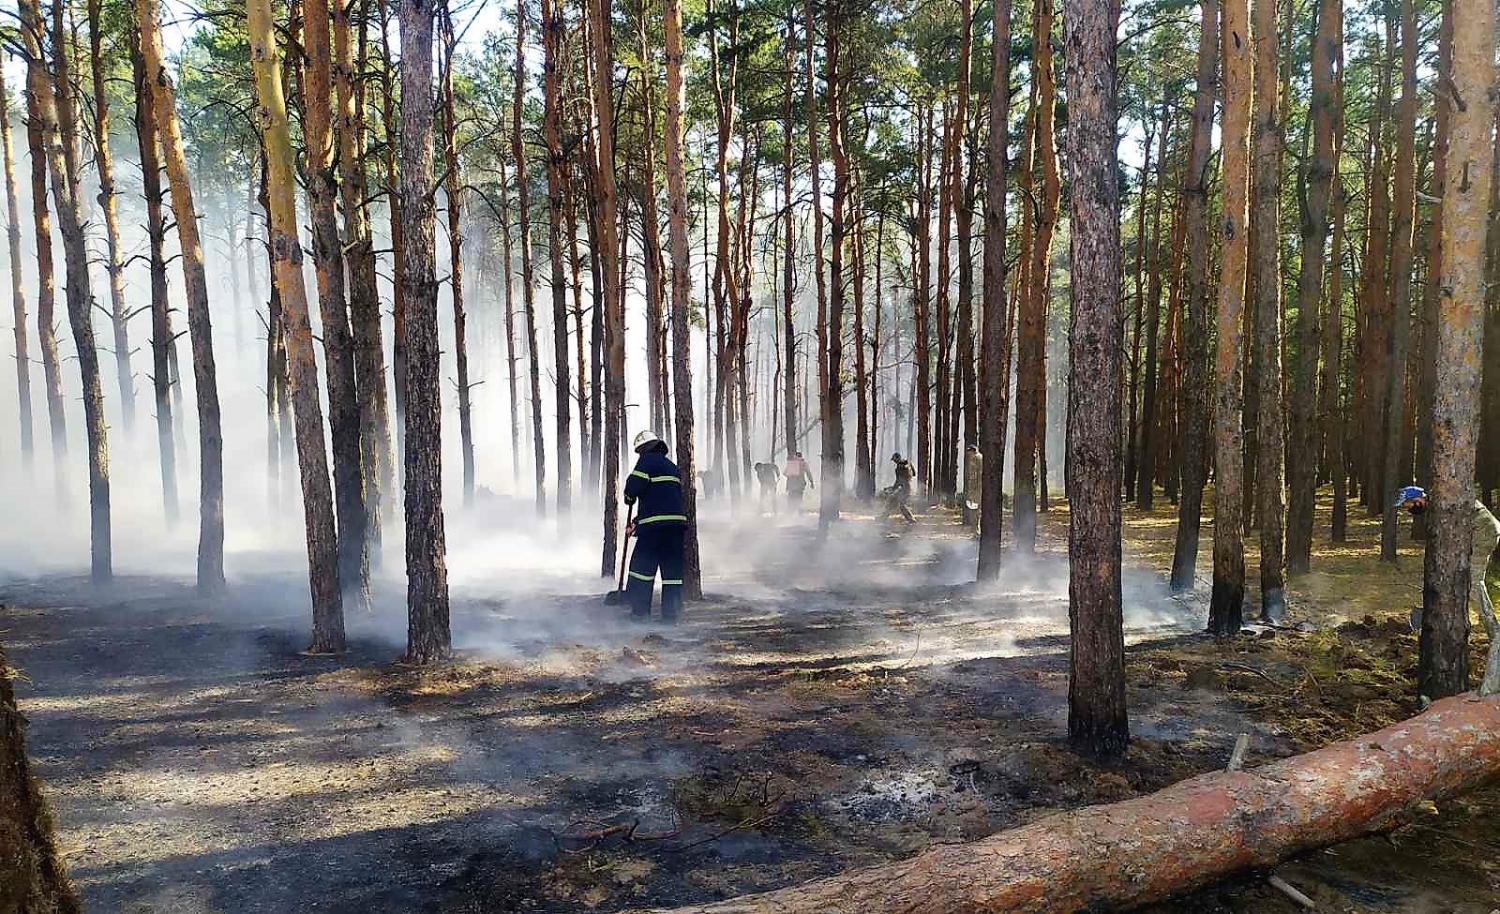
(830, 704)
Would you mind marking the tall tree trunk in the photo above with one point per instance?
(286, 253)
(119, 313)
(1226, 609)
(195, 286)
(161, 314)
(453, 190)
(833, 407)
(826, 405)
(656, 339)
(1145, 478)
(788, 272)
(1403, 216)
(1375, 296)
(552, 41)
(397, 221)
(964, 189)
(57, 126)
(1266, 219)
(17, 284)
(528, 281)
(1317, 187)
(1195, 406)
(1031, 355)
(682, 381)
(942, 447)
(1426, 366)
(994, 343)
(921, 313)
(46, 296)
(612, 302)
(364, 291)
(328, 262)
(428, 637)
(507, 251)
(1097, 720)
(1443, 667)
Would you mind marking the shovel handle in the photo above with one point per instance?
(625, 543)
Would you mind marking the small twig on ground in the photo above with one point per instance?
(1246, 668)
(748, 823)
(1290, 891)
(913, 656)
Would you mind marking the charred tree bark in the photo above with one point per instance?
(398, 233)
(1145, 479)
(1097, 721)
(286, 254)
(55, 107)
(788, 272)
(994, 342)
(507, 251)
(195, 286)
(428, 637)
(677, 218)
(1443, 667)
(1226, 609)
(833, 408)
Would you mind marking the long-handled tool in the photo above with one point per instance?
(617, 596)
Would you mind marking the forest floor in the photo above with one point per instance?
(825, 708)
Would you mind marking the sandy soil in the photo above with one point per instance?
(823, 709)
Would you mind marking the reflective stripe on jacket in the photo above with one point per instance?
(656, 484)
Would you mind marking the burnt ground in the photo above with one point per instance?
(823, 709)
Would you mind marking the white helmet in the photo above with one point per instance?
(643, 439)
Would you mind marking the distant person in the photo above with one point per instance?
(973, 485)
(899, 493)
(658, 528)
(711, 483)
(798, 480)
(768, 476)
(1486, 536)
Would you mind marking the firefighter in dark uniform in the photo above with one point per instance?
(655, 487)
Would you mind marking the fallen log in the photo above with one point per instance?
(1178, 839)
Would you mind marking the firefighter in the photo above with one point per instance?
(798, 480)
(768, 475)
(655, 485)
(973, 484)
(1486, 536)
(898, 494)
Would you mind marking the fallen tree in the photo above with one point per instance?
(32, 877)
(1178, 839)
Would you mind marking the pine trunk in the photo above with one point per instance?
(1145, 479)
(1266, 224)
(161, 314)
(55, 106)
(195, 287)
(286, 255)
(328, 262)
(1195, 380)
(832, 477)
(453, 190)
(46, 296)
(552, 41)
(17, 284)
(1097, 720)
(364, 291)
(119, 312)
(528, 280)
(677, 219)
(1226, 609)
(428, 637)
(994, 342)
(1443, 664)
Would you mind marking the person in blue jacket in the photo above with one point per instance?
(655, 487)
